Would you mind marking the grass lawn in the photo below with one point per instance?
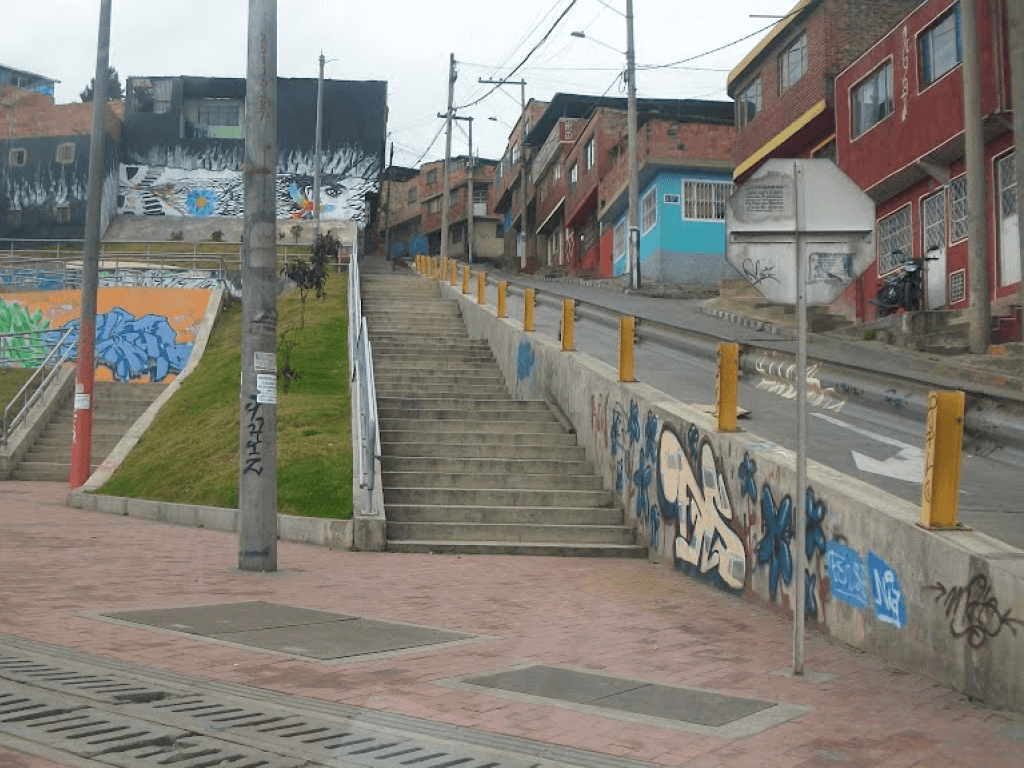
(11, 380)
(190, 453)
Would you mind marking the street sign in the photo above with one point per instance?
(833, 225)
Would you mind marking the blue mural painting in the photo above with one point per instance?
(846, 574)
(777, 520)
(524, 360)
(890, 606)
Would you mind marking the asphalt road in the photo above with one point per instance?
(882, 447)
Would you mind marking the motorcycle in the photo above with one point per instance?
(905, 289)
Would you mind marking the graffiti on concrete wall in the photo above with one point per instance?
(778, 377)
(846, 575)
(28, 348)
(142, 334)
(42, 279)
(877, 584)
(524, 360)
(693, 493)
(973, 611)
(632, 446)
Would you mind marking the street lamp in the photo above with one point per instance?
(317, 162)
(634, 183)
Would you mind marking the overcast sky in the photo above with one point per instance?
(407, 44)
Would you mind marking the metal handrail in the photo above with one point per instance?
(55, 358)
(66, 269)
(360, 355)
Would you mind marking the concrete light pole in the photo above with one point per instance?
(447, 176)
(257, 478)
(318, 162)
(81, 436)
(634, 183)
(1015, 14)
(522, 159)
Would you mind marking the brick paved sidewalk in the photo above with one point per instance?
(60, 567)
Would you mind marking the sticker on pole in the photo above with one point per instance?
(266, 388)
(265, 361)
(82, 401)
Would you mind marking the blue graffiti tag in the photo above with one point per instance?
(774, 547)
(655, 526)
(620, 476)
(525, 360)
(846, 574)
(642, 479)
(810, 599)
(614, 431)
(747, 472)
(650, 434)
(634, 422)
(815, 536)
(885, 586)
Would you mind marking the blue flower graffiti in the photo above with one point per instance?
(642, 479)
(810, 599)
(132, 347)
(747, 472)
(620, 476)
(692, 440)
(634, 422)
(650, 434)
(201, 202)
(524, 360)
(815, 538)
(613, 432)
(774, 547)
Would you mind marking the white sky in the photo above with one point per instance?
(405, 43)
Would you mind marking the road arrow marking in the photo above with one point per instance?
(907, 465)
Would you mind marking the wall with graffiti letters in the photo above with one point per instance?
(142, 334)
(721, 508)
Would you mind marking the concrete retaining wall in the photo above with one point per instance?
(719, 507)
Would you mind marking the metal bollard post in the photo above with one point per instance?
(943, 446)
(481, 287)
(626, 326)
(726, 385)
(465, 279)
(528, 309)
(502, 297)
(453, 273)
(568, 318)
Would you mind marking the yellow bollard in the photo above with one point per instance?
(453, 273)
(726, 386)
(465, 279)
(430, 266)
(528, 309)
(481, 287)
(626, 326)
(419, 264)
(568, 317)
(435, 267)
(943, 445)
(502, 297)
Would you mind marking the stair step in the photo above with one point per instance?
(505, 548)
(491, 480)
(511, 532)
(487, 448)
(514, 466)
(502, 497)
(454, 513)
(435, 429)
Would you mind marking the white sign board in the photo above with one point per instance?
(807, 201)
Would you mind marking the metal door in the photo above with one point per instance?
(933, 215)
(1009, 227)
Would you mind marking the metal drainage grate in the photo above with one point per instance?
(105, 687)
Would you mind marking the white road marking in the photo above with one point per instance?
(907, 465)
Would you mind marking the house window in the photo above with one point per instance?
(941, 47)
(1007, 220)
(558, 172)
(65, 153)
(649, 210)
(872, 100)
(453, 197)
(748, 104)
(568, 129)
(958, 209)
(432, 176)
(958, 286)
(480, 195)
(894, 240)
(588, 156)
(573, 176)
(433, 205)
(671, 199)
(17, 157)
(411, 196)
(793, 63)
(457, 234)
(705, 200)
(62, 214)
(218, 114)
(933, 215)
(619, 239)
(515, 153)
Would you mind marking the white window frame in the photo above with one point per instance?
(958, 286)
(479, 194)
(65, 154)
(901, 236)
(619, 239)
(883, 75)
(752, 94)
(793, 63)
(19, 152)
(574, 176)
(649, 210)
(958, 209)
(927, 77)
(588, 155)
(705, 200)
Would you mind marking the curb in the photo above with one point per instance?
(322, 532)
(748, 322)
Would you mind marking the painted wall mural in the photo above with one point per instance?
(142, 334)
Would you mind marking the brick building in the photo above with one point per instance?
(784, 89)
(900, 116)
(399, 210)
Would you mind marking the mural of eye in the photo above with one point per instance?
(201, 202)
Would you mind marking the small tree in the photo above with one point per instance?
(113, 87)
(312, 275)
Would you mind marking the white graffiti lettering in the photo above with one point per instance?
(778, 377)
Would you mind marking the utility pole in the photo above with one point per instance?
(522, 159)
(81, 436)
(979, 311)
(318, 162)
(1015, 14)
(257, 477)
(469, 213)
(445, 212)
(634, 182)
(387, 209)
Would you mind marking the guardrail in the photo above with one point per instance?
(230, 252)
(360, 357)
(32, 390)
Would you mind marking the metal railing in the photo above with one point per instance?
(64, 272)
(33, 389)
(360, 362)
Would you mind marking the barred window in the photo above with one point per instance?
(705, 200)
(958, 209)
(1008, 185)
(218, 114)
(894, 240)
(933, 213)
(957, 286)
(65, 153)
(619, 239)
(649, 210)
(480, 195)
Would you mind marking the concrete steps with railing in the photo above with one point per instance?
(116, 407)
(466, 468)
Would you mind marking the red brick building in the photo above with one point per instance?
(900, 113)
(784, 88)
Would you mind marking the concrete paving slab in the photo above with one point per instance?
(210, 620)
(556, 683)
(689, 705)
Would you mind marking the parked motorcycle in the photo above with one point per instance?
(904, 289)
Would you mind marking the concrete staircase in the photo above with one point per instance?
(465, 468)
(116, 406)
